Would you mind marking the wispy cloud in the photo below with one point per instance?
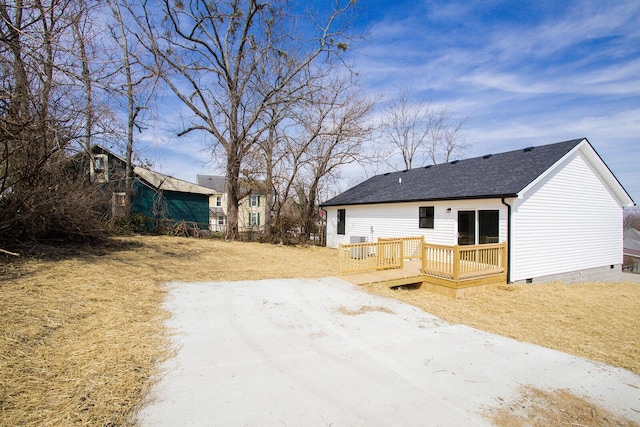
(526, 73)
(551, 71)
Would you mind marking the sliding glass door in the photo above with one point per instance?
(488, 225)
(466, 227)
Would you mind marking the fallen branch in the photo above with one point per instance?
(9, 253)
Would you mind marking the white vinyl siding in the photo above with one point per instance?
(568, 221)
(402, 220)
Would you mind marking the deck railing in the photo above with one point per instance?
(464, 262)
(373, 256)
(411, 246)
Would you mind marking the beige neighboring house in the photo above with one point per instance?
(251, 212)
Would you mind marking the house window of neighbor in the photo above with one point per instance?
(254, 219)
(426, 217)
(119, 199)
(218, 201)
(254, 201)
(221, 220)
(341, 221)
(99, 171)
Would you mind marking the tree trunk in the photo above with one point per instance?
(233, 173)
(309, 216)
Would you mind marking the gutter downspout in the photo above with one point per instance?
(508, 240)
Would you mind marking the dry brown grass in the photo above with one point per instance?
(594, 320)
(539, 408)
(83, 335)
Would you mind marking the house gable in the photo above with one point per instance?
(599, 168)
(568, 219)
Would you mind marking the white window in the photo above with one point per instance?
(218, 201)
(222, 220)
(254, 201)
(119, 199)
(254, 219)
(98, 169)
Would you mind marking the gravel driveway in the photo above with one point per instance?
(323, 352)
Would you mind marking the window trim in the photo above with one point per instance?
(254, 219)
(428, 214)
(341, 221)
(99, 168)
(119, 199)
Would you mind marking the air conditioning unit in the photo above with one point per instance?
(359, 252)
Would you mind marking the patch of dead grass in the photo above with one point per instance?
(539, 408)
(598, 321)
(362, 310)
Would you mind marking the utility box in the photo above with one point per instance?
(359, 252)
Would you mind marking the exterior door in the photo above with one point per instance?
(488, 226)
(466, 227)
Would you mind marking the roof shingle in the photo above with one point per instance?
(497, 175)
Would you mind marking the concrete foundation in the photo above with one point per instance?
(609, 273)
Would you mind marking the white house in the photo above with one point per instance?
(558, 207)
(251, 211)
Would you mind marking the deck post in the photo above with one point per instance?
(456, 262)
(504, 259)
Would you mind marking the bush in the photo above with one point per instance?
(133, 223)
(54, 205)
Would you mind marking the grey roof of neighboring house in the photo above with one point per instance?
(169, 183)
(497, 175)
(215, 182)
(157, 179)
(219, 184)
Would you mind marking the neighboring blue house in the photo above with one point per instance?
(156, 195)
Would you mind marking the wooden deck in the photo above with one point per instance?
(449, 270)
(411, 274)
(407, 275)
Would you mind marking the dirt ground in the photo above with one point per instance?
(83, 330)
(540, 408)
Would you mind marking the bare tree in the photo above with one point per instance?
(219, 56)
(631, 219)
(419, 133)
(309, 140)
(39, 120)
(334, 131)
(407, 127)
(138, 87)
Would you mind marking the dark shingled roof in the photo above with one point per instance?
(497, 175)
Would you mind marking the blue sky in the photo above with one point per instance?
(524, 72)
